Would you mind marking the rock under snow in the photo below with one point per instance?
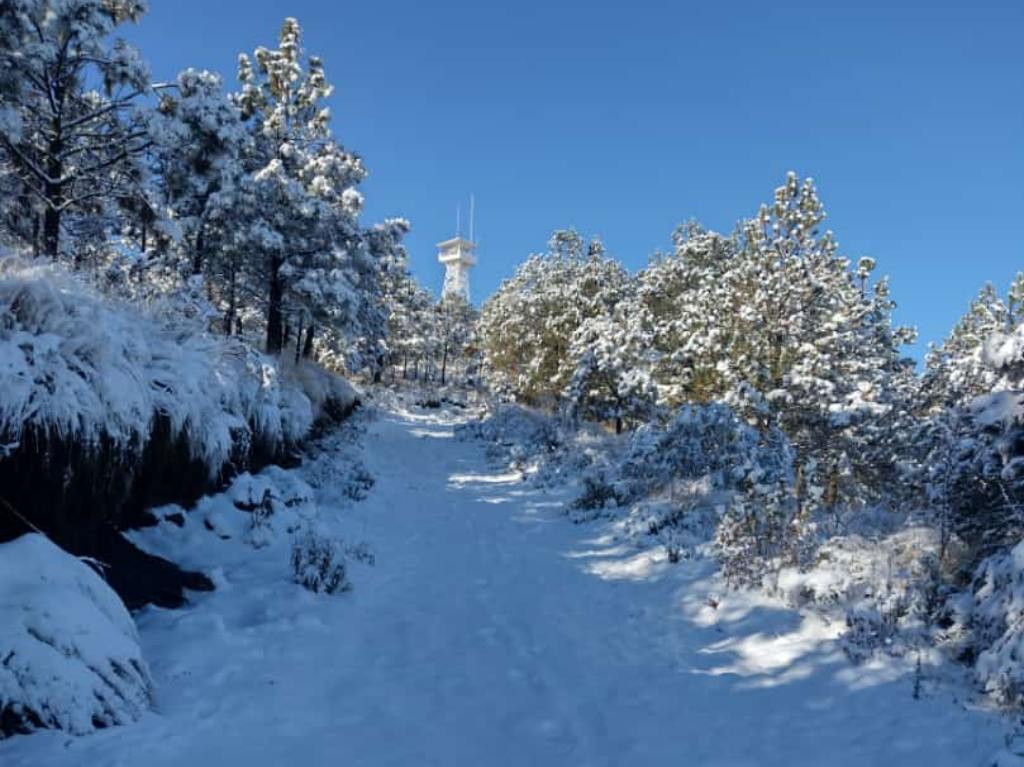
(69, 651)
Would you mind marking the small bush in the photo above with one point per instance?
(318, 564)
(598, 492)
(358, 483)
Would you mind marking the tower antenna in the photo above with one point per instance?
(472, 211)
(458, 220)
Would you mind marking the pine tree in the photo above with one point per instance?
(528, 325)
(303, 195)
(611, 372)
(199, 138)
(955, 370)
(74, 149)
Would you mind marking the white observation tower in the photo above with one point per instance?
(457, 256)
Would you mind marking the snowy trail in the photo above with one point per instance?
(494, 632)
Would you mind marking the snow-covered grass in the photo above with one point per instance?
(80, 368)
(69, 650)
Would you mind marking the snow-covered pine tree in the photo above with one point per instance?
(199, 138)
(774, 321)
(955, 371)
(456, 329)
(681, 304)
(611, 378)
(971, 463)
(303, 201)
(69, 127)
(527, 327)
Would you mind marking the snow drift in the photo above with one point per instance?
(69, 651)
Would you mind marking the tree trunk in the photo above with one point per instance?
(229, 317)
(444, 365)
(275, 318)
(307, 347)
(36, 230)
(54, 198)
(197, 255)
(298, 343)
(51, 232)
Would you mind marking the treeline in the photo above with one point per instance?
(430, 341)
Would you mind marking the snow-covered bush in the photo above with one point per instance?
(69, 651)
(515, 433)
(704, 465)
(318, 563)
(723, 462)
(699, 441)
(888, 586)
(991, 616)
(333, 464)
(682, 519)
(273, 504)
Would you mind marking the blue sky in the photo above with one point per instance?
(625, 119)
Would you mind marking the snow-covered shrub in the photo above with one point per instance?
(512, 425)
(548, 451)
(991, 615)
(705, 463)
(887, 586)
(700, 441)
(599, 491)
(358, 482)
(69, 651)
(682, 519)
(318, 564)
(83, 368)
(274, 503)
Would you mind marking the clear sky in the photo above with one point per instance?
(624, 119)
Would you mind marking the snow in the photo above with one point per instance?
(69, 652)
(493, 631)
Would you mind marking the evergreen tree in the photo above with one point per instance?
(528, 325)
(303, 196)
(199, 139)
(611, 378)
(74, 148)
(955, 370)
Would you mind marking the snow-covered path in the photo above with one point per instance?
(494, 632)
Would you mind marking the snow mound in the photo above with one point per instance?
(69, 651)
(256, 509)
